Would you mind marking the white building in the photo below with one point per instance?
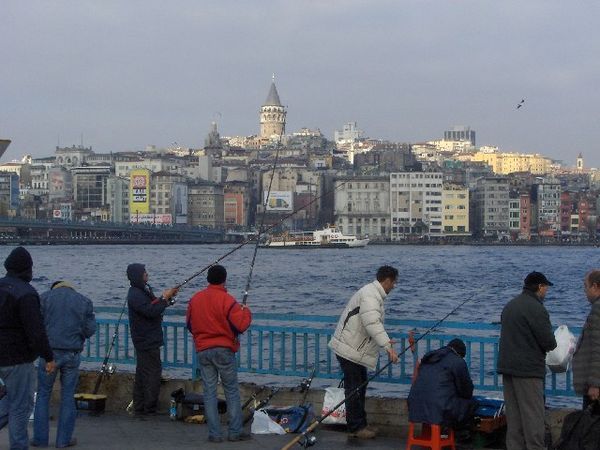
(416, 204)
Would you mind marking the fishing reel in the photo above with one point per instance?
(304, 385)
(110, 370)
(308, 441)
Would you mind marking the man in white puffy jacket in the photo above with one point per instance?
(358, 338)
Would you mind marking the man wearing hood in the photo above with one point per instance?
(22, 340)
(357, 340)
(586, 360)
(442, 393)
(145, 322)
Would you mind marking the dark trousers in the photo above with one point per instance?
(354, 376)
(147, 381)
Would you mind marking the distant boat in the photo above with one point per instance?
(328, 237)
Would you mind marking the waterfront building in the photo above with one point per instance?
(161, 190)
(89, 191)
(416, 204)
(21, 168)
(455, 204)
(9, 194)
(205, 204)
(237, 200)
(117, 195)
(514, 214)
(490, 209)
(152, 163)
(362, 205)
(272, 117)
(525, 216)
(39, 172)
(545, 194)
(460, 133)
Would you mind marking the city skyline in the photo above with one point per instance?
(124, 76)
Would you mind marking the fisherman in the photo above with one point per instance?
(145, 321)
(442, 393)
(69, 320)
(216, 319)
(358, 338)
(586, 360)
(22, 340)
(525, 338)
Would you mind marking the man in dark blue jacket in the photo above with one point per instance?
(442, 394)
(145, 322)
(69, 320)
(22, 340)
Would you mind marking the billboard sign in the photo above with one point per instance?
(153, 219)
(279, 201)
(139, 191)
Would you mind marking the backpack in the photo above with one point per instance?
(581, 430)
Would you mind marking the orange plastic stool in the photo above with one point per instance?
(430, 437)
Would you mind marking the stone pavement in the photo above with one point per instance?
(123, 432)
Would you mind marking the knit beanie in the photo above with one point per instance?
(458, 346)
(216, 275)
(19, 264)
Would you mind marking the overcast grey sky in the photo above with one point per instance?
(126, 74)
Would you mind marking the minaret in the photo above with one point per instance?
(272, 115)
(580, 163)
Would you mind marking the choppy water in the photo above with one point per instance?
(433, 279)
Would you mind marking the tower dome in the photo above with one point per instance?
(272, 115)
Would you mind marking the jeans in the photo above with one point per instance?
(146, 386)
(354, 376)
(214, 362)
(67, 363)
(16, 406)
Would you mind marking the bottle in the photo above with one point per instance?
(173, 410)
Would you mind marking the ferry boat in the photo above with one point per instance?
(328, 237)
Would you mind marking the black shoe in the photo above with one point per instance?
(35, 444)
(215, 439)
(73, 443)
(240, 437)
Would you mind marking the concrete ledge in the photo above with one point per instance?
(389, 414)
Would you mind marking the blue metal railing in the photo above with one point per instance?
(292, 345)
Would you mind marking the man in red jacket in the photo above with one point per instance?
(216, 319)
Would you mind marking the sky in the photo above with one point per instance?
(121, 75)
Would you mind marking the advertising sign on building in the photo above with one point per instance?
(279, 201)
(139, 191)
(152, 219)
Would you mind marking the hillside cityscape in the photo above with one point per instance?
(445, 189)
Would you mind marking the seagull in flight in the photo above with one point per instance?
(521, 103)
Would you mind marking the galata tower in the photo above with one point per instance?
(272, 115)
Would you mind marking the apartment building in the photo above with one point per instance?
(490, 207)
(416, 204)
(455, 204)
(362, 206)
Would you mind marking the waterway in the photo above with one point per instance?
(433, 279)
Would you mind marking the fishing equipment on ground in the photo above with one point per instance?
(261, 404)
(316, 422)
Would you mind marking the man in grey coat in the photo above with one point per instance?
(586, 360)
(525, 338)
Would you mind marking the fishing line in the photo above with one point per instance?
(304, 435)
(262, 221)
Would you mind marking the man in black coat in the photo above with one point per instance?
(525, 337)
(442, 393)
(22, 340)
(145, 322)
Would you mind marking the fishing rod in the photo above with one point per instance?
(262, 222)
(106, 369)
(310, 440)
(266, 230)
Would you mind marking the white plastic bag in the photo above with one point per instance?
(262, 424)
(334, 395)
(558, 360)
